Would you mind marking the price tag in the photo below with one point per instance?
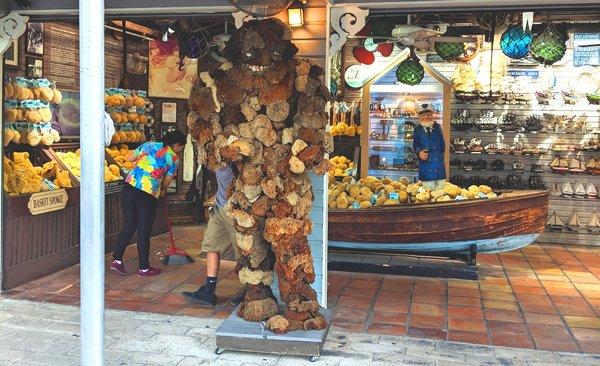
(394, 196)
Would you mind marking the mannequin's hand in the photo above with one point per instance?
(423, 155)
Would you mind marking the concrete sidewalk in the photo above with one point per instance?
(33, 333)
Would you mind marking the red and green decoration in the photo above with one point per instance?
(410, 71)
(515, 41)
(549, 46)
(376, 31)
(449, 51)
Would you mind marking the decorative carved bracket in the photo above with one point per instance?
(345, 21)
(12, 27)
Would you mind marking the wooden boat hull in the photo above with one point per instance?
(510, 221)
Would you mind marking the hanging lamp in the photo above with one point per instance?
(410, 71)
(515, 41)
(548, 46)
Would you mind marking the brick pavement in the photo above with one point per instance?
(544, 297)
(33, 333)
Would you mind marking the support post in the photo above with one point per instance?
(91, 81)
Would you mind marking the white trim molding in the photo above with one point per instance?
(346, 21)
(12, 27)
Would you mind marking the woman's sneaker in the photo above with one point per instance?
(118, 267)
(148, 272)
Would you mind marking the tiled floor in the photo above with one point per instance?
(544, 297)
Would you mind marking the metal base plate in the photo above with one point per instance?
(236, 334)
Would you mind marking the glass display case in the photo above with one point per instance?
(392, 119)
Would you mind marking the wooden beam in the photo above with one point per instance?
(137, 28)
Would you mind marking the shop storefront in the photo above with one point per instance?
(515, 93)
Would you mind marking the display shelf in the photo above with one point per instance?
(570, 238)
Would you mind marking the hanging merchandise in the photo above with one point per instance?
(548, 46)
(410, 71)
(449, 51)
(381, 27)
(365, 54)
(515, 42)
(490, 22)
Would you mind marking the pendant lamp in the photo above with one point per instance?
(515, 42)
(549, 46)
(410, 71)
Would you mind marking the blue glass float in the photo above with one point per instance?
(515, 42)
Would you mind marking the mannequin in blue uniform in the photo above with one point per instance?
(428, 144)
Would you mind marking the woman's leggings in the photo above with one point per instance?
(139, 212)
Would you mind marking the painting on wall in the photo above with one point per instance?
(11, 56)
(35, 38)
(66, 115)
(168, 75)
(35, 67)
(169, 112)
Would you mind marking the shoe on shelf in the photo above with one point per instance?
(201, 297)
(149, 272)
(118, 267)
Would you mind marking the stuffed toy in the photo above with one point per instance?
(264, 111)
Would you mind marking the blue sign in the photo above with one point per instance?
(534, 74)
(583, 56)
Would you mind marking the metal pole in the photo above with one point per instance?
(91, 81)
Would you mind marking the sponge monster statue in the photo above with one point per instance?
(264, 111)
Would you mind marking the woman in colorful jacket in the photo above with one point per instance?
(155, 165)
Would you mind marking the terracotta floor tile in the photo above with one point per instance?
(364, 284)
(197, 311)
(427, 333)
(563, 292)
(590, 346)
(464, 301)
(554, 345)
(497, 295)
(145, 295)
(534, 299)
(161, 308)
(389, 317)
(468, 337)
(573, 306)
(509, 328)
(426, 321)
(358, 302)
(392, 295)
(520, 282)
(506, 340)
(501, 305)
(348, 327)
(349, 315)
(64, 300)
(529, 290)
(387, 329)
(429, 290)
(464, 312)
(496, 287)
(428, 309)
(590, 294)
(538, 308)
(503, 315)
(539, 331)
(469, 325)
(464, 292)
(582, 322)
(463, 284)
(586, 334)
(429, 299)
(547, 319)
(130, 305)
(390, 305)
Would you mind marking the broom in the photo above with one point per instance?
(175, 255)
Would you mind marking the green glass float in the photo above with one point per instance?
(381, 27)
(410, 71)
(549, 46)
(449, 51)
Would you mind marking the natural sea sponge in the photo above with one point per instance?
(34, 138)
(256, 311)
(254, 277)
(296, 165)
(261, 206)
(269, 188)
(298, 146)
(278, 111)
(242, 218)
(315, 323)
(278, 324)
